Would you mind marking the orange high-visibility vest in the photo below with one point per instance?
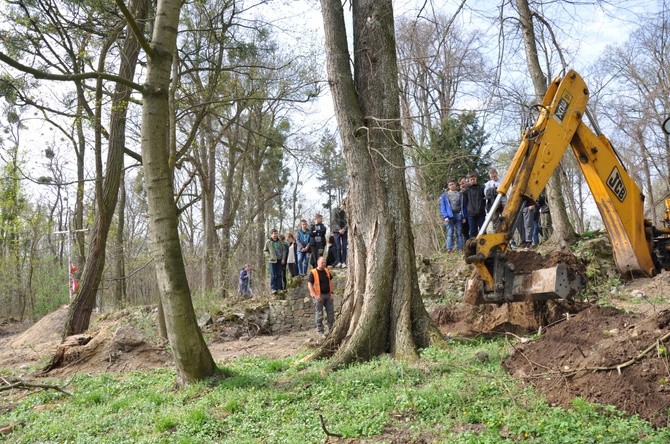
(316, 286)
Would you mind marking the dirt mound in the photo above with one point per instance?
(518, 318)
(603, 355)
(112, 344)
(35, 344)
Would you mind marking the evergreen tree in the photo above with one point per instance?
(455, 149)
(332, 172)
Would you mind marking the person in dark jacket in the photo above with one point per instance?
(475, 205)
(340, 230)
(330, 253)
(244, 289)
(463, 185)
(292, 258)
(317, 233)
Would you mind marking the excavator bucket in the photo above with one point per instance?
(556, 282)
(559, 282)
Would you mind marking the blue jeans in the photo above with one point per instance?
(475, 223)
(276, 282)
(341, 245)
(303, 262)
(455, 224)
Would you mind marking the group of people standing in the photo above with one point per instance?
(309, 246)
(463, 210)
(295, 253)
(465, 204)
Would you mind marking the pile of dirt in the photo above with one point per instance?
(603, 355)
(112, 344)
(519, 318)
(37, 343)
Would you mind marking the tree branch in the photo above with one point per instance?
(38, 74)
(27, 385)
(132, 24)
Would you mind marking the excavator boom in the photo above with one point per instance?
(619, 201)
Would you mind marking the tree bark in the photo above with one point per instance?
(119, 263)
(382, 309)
(562, 229)
(79, 313)
(192, 357)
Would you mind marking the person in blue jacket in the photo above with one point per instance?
(453, 215)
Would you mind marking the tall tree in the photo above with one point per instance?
(382, 310)
(192, 357)
(107, 183)
(562, 229)
(332, 172)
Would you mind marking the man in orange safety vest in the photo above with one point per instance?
(321, 290)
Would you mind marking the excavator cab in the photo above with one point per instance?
(639, 249)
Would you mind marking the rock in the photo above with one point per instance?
(205, 320)
(127, 338)
(637, 294)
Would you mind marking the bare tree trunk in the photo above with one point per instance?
(231, 200)
(577, 211)
(382, 310)
(562, 229)
(207, 163)
(192, 357)
(651, 202)
(119, 265)
(79, 313)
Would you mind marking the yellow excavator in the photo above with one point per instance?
(639, 248)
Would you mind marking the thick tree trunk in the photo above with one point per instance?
(79, 314)
(192, 358)
(562, 229)
(382, 309)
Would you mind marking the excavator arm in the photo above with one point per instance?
(617, 197)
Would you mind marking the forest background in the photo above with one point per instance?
(253, 143)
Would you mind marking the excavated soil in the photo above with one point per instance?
(612, 356)
(603, 355)
(114, 343)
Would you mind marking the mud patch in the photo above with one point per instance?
(603, 355)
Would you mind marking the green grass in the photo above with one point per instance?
(448, 397)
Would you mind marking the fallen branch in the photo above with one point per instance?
(29, 385)
(325, 430)
(9, 428)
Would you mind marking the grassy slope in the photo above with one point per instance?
(450, 396)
